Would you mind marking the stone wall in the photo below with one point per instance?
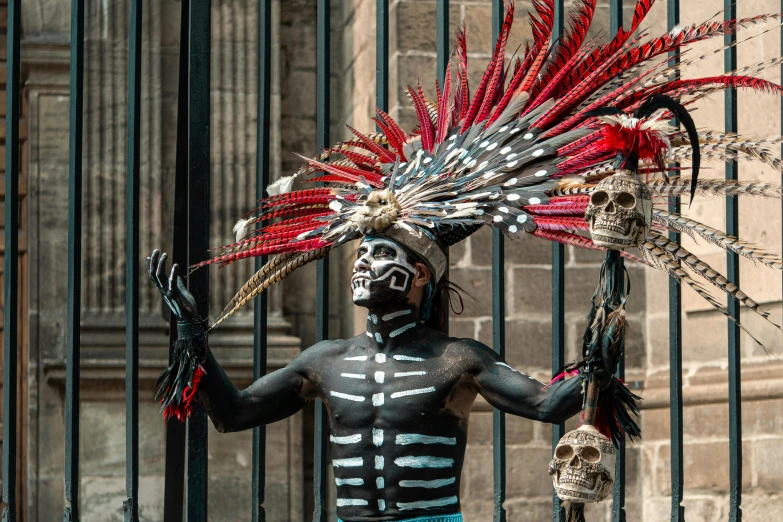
(528, 272)
(528, 297)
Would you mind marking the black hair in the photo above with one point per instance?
(443, 299)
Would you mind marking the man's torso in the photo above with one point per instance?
(398, 422)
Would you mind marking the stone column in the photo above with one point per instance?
(45, 63)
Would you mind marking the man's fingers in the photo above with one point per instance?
(152, 265)
(173, 279)
(161, 274)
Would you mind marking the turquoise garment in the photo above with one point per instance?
(456, 517)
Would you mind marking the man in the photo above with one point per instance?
(398, 395)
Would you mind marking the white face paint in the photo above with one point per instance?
(383, 273)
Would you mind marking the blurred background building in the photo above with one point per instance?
(43, 247)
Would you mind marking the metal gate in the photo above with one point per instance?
(193, 193)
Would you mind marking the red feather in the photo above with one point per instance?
(289, 197)
(348, 173)
(393, 143)
(425, 123)
(361, 160)
(567, 238)
(646, 144)
(295, 221)
(399, 134)
(578, 145)
(598, 56)
(560, 223)
(462, 96)
(445, 108)
(516, 80)
(576, 95)
(298, 246)
(182, 411)
(535, 67)
(570, 209)
(384, 155)
(494, 72)
(581, 18)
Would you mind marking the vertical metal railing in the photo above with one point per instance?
(498, 331)
(73, 330)
(260, 307)
(442, 59)
(675, 335)
(382, 54)
(618, 495)
(11, 263)
(132, 257)
(732, 274)
(442, 43)
(174, 488)
(192, 204)
(323, 112)
(558, 298)
(198, 231)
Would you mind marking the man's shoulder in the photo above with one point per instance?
(468, 344)
(325, 349)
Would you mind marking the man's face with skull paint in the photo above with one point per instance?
(383, 273)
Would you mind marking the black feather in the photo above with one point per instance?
(661, 101)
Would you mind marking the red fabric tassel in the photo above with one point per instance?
(603, 418)
(562, 375)
(183, 410)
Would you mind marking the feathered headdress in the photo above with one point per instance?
(522, 154)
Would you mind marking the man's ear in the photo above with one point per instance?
(422, 276)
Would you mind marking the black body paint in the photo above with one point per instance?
(398, 395)
(382, 397)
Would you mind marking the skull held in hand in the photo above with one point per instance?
(583, 466)
(620, 211)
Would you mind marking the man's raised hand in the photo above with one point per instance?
(175, 294)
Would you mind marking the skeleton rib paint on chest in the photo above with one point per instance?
(396, 383)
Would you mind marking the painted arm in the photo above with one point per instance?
(273, 397)
(514, 392)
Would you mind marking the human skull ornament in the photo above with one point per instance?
(583, 466)
(620, 211)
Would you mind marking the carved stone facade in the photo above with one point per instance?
(45, 71)
(528, 273)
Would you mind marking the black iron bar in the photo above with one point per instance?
(198, 232)
(132, 254)
(732, 274)
(174, 488)
(11, 269)
(618, 494)
(442, 59)
(498, 331)
(675, 335)
(323, 71)
(73, 330)
(382, 54)
(260, 307)
(558, 298)
(442, 37)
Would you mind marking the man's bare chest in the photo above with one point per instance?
(404, 389)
